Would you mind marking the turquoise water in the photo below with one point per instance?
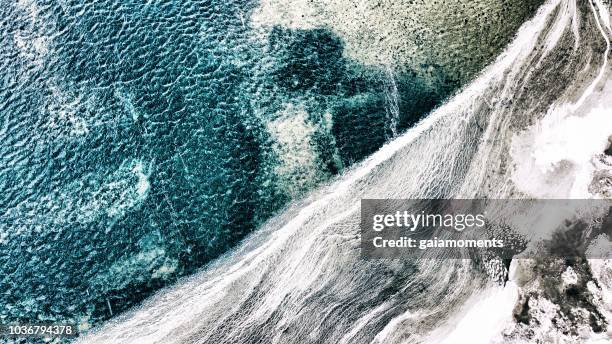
(140, 141)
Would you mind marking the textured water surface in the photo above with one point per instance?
(140, 140)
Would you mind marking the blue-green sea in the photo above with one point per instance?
(139, 140)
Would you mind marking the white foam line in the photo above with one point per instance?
(392, 325)
(362, 322)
